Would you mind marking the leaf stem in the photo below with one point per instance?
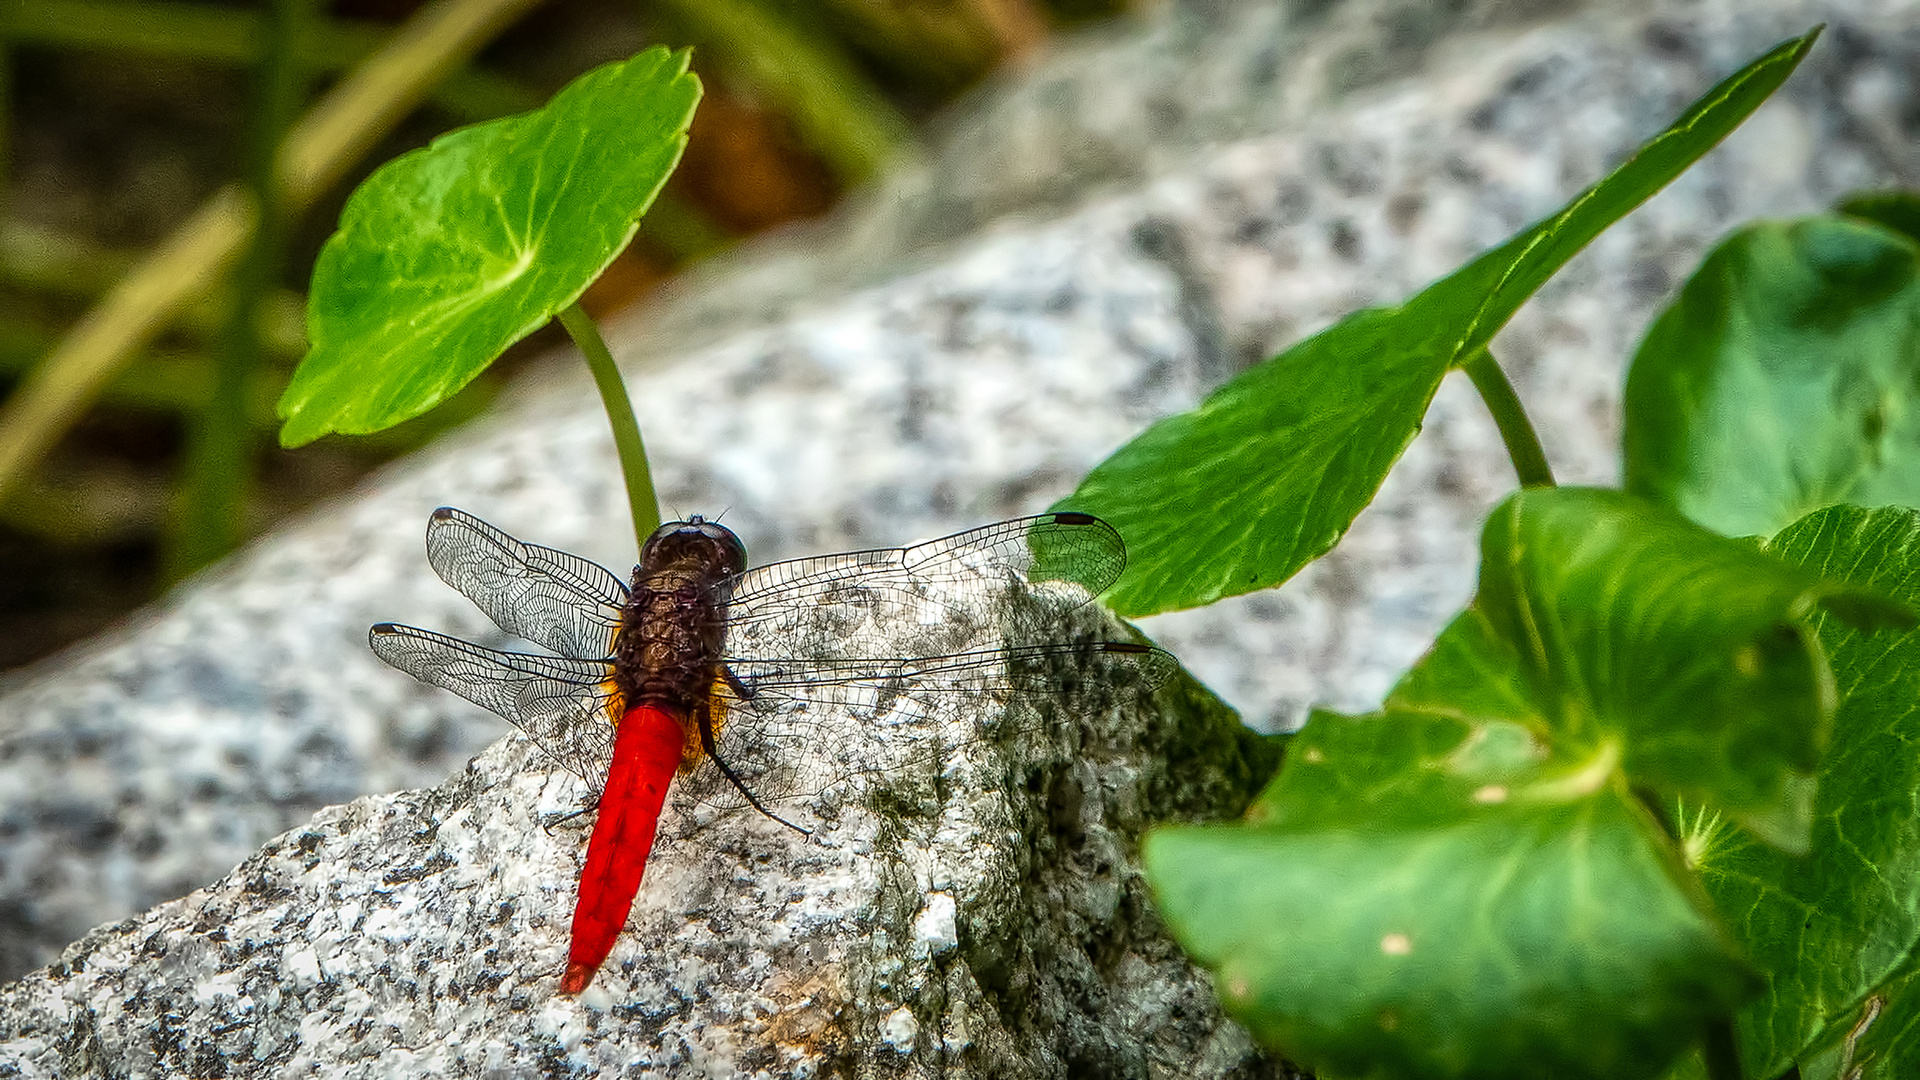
(1657, 809)
(1720, 1050)
(209, 33)
(211, 517)
(1523, 446)
(626, 430)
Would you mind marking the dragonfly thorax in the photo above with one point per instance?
(672, 629)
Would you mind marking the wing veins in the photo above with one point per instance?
(551, 597)
(559, 702)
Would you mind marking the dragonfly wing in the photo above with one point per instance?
(1013, 580)
(562, 704)
(1056, 669)
(559, 601)
(790, 736)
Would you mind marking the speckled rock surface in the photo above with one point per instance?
(990, 923)
(919, 368)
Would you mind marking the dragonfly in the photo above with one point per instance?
(737, 685)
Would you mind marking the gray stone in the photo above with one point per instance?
(1094, 244)
(982, 916)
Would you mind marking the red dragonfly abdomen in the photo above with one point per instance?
(646, 753)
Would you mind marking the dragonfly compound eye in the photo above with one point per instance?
(733, 552)
(660, 536)
(694, 534)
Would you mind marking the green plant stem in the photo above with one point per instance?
(1523, 446)
(224, 34)
(212, 515)
(840, 114)
(1720, 1050)
(1660, 810)
(938, 48)
(6, 121)
(332, 136)
(38, 259)
(626, 430)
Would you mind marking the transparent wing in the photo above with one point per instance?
(562, 704)
(1063, 668)
(558, 601)
(795, 727)
(1012, 581)
(833, 663)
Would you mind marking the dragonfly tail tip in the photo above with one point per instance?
(576, 978)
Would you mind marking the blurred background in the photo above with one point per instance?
(149, 316)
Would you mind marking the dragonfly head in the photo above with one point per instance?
(695, 538)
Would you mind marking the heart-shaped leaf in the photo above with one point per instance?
(1427, 897)
(1781, 380)
(1269, 472)
(447, 255)
(1420, 767)
(1877, 1039)
(1605, 621)
(1895, 211)
(1839, 927)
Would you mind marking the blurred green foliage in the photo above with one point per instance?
(118, 117)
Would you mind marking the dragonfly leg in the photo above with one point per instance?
(592, 805)
(703, 718)
(740, 690)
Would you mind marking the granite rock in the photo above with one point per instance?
(1093, 244)
(979, 916)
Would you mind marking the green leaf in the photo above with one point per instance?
(1458, 909)
(1842, 922)
(1474, 673)
(1269, 472)
(1878, 1039)
(1419, 765)
(1606, 621)
(1782, 379)
(447, 255)
(1895, 211)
